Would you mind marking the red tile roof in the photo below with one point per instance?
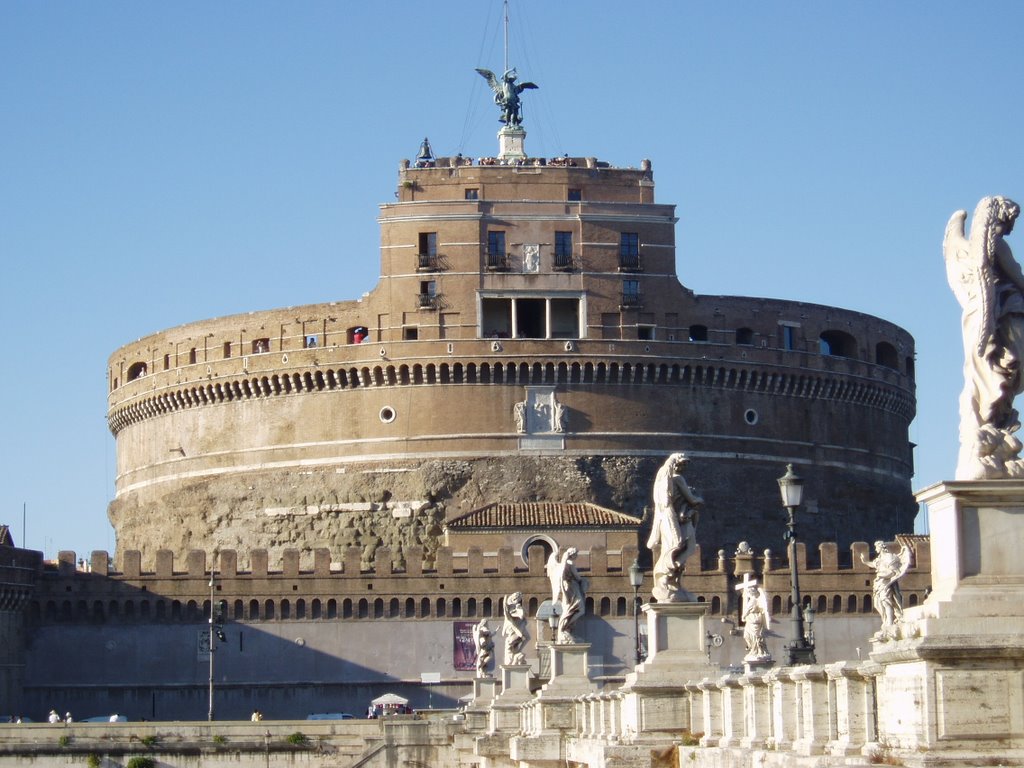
(542, 514)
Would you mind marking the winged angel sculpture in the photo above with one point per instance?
(889, 568)
(506, 95)
(989, 285)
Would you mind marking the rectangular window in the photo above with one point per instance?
(428, 293)
(310, 341)
(227, 349)
(472, 194)
(259, 346)
(788, 337)
(192, 357)
(630, 293)
(629, 250)
(427, 254)
(575, 195)
(410, 333)
(496, 249)
(563, 250)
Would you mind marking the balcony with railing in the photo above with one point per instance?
(563, 262)
(630, 262)
(497, 262)
(631, 300)
(427, 301)
(427, 262)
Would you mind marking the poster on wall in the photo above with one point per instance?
(463, 647)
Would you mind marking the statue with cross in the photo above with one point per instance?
(755, 617)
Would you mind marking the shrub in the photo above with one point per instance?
(64, 740)
(218, 739)
(93, 761)
(150, 740)
(298, 738)
(141, 762)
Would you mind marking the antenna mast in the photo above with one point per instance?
(506, 35)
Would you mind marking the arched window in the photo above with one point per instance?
(315, 608)
(424, 607)
(300, 609)
(410, 608)
(394, 608)
(456, 607)
(332, 609)
(822, 604)
(851, 604)
(286, 609)
(442, 607)
(886, 354)
(867, 604)
(268, 609)
(837, 344)
(716, 604)
(486, 610)
(471, 606)
(837, 604)
(606, 606)
(620, 607)
(136, 371)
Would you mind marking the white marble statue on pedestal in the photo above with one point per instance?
(989, 285)
(756, 619)
(674, 529)
(889, 568)
(568, 592)
(513, 629)
(484, 647)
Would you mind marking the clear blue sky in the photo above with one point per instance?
(167, 162)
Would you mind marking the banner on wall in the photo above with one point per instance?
(463, 647)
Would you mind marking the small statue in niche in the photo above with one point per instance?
(519, 415)
(756, 619)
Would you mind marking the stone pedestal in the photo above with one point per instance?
(511, 144)
(952, 682)
(551, 714)
(478, 710)
(656, 699)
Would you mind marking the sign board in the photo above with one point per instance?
(430, 677)
(464, 647)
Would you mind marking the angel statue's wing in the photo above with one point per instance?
(904, 562)
(525, 86)
(492, 81)
(970, 272)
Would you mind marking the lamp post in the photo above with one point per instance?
(216, 633)
(210, 641)
(791, 486)
(636, 578)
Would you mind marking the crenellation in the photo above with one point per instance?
(258, 559)
(443, 565)
(164, 564)
(828, 554)
(383, 565)
(67, 562)
(131, 564)
(195, 563)
(506, 561)
(414, 560)
(290, 563)
(321, 562)
(227, 559)
(475, 561)
(353, 561)
(99, 562)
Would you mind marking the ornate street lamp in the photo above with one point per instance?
(636, 578)
(791, 486)
(216, 632)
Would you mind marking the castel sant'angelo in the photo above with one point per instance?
(330, 473)
(529, 340)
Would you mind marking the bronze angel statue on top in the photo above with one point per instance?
(506, 95)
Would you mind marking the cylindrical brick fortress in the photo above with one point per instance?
(528, 340)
